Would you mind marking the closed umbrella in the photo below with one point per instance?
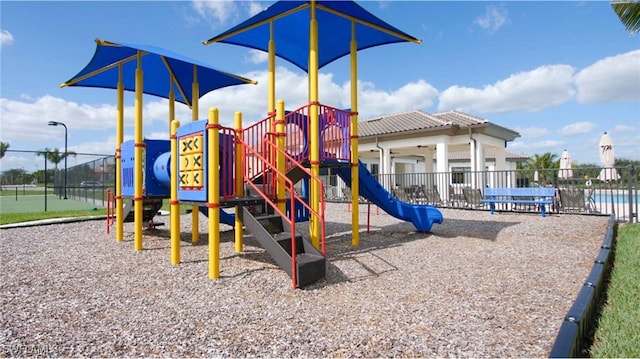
(608, 159)
(565, 166)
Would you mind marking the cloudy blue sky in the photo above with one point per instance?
(559, 73)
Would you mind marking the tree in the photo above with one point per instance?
(13, 176)
(54, 156)
(546, 160)
(629, 13)
(543, 164)
(3, 148)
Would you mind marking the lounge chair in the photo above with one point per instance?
(572, 199)
(433, 197)
(456, 198)
(472, 197)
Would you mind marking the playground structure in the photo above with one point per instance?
(213, 167)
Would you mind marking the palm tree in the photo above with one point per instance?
(3, 148)
(545, 161)
(629, 13)
(54, 156)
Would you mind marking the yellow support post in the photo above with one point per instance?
(119, 140)
(195, 210)
(174, 203)
(213, 192)
(239, 183)
(138, 161)
(355, 189)
(280, 160)
(271, 83)
(314, 130)
(271, 88)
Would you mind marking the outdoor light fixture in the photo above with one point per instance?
(56, 123)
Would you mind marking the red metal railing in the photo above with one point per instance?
(227, 162)
(252, 137)
(268, 192)
(111, 209)
(335, 136)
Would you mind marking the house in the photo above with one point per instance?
(418, 142)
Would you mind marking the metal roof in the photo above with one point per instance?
(419, 121)
(489, 154)
(416, 120)
(400, 122)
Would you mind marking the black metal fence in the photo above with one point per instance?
(87, 181)
(580, 192)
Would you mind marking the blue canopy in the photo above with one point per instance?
(291, 31)
(158, 65)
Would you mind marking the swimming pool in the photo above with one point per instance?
(617, 197)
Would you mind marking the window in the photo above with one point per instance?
(375, 168)
(460, 175)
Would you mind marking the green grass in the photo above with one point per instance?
(7, 218)
(29, 192)
(618, 331)
(183, 207)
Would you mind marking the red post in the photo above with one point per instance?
(108, 209)
(368, 215)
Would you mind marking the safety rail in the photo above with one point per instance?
(229, 146)
(267, 192)
(270, 145)
(334, 132)
(111, 209)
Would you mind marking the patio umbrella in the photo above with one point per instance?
(607, 157)
(536, 176)
(565, 166)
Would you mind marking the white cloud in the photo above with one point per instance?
(626, 146)
(535, 90)
(623, 129)
(6, 38)
(412, 96)
(254, 7)
(220, 11)
(615, 78)
(257, 56)
(541, 146)
(493, 19)
(223, 12)
(27, 121)
(293, 87)
(577, 128)
(533, 132)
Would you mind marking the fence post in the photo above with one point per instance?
(630, 186)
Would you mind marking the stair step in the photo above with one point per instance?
(271, 222)
(304, 258)
(311, 268)
(265, 217)
(284, 240)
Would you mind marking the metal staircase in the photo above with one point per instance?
(308, 265)
(150, 208)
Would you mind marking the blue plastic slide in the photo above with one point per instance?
(422, 216)
(226, 218)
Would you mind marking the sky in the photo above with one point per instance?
(559, 73)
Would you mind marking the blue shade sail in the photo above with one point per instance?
(158, 65)
(291, 21)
